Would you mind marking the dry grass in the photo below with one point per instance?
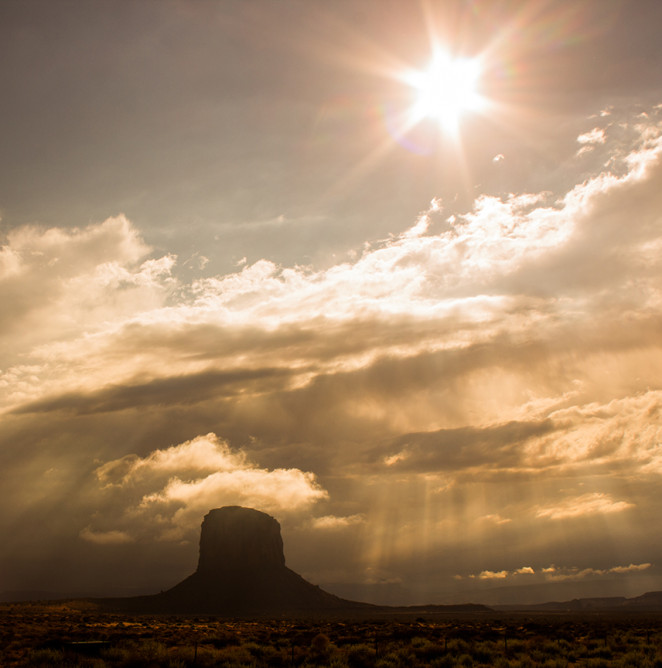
(60, 635)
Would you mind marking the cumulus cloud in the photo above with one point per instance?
(171, 489)
(492, 575)
(199, 456)
(59, 287)
(77, 278)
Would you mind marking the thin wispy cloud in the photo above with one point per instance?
(594, 503)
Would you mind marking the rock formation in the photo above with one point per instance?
(241, 572)
(239, 539)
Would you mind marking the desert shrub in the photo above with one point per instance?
(503, 662)
(361, 656)
(45, 658)
(516, 646)
(457, 646)
(233, 655)
(133, 654)
(223, 638)
(549, 649)
(400, 656)
(554, 663)
(116, 655)
(320, 648)
(267, 655)
(633, 659)
(152, 649)
(536, 655)
(525, 662)
(597, 663)
(425, 650)
(446, 661)
(485, 653)
(601, 652)
(337, 662)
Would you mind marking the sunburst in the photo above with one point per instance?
(446, 90)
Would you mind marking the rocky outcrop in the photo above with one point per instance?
(241, 572)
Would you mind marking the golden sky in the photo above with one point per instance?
(388, 271)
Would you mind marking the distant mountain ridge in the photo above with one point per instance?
(649, 602)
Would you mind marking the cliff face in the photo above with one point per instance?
(239, 539)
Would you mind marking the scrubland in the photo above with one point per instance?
(61, 635)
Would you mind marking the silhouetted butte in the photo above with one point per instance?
(241, 572)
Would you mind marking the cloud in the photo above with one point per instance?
(588, 140)
(497, 278)
(630, 569)
(445, 381)
(495, 518)
(172, 488)
(492, 575)
(333, 523)
(593, 503)
(201, 455)
(480, 281)
(76, 278)
(595, 136)
(556, 574)
(105, 537)
(187, 389)
(454, 449)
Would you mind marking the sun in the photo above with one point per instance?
(446, 90)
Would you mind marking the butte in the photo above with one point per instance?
(241, 573)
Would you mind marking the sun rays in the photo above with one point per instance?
(446, 90)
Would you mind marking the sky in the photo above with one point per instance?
(243, 263)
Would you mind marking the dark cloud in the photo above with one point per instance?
(497, 446)
(205, 386)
